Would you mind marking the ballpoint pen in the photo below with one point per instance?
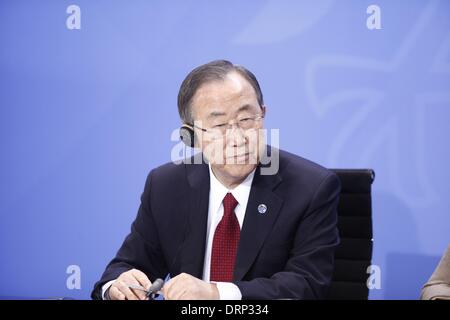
(153, 291)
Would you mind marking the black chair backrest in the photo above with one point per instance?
(354, 253)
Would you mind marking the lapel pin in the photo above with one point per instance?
(262, 208)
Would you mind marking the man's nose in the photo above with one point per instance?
(236, 137)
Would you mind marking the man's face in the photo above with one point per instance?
(222, 107)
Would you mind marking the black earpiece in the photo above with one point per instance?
(187, 135)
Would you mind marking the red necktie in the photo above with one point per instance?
(225, 243)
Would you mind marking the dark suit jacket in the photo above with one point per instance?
(287, 252)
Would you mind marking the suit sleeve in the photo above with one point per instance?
(141, 249)
(308, 271)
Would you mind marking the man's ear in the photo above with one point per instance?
(198, 142)
(263, 110)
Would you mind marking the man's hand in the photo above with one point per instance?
(119, 290)
(186, 287)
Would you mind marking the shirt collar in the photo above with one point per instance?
(218, 190)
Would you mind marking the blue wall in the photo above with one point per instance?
(85, 114)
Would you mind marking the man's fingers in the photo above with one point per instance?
(175, 288)
(123, 287)
(115, 294)
(174, 280)
(173, 293)
(178, 293)
(142, 295)
(141, 278)
(167, 288)
(131, 279)
(185, 286)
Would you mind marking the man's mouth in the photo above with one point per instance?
(239, 155)
(243, 158)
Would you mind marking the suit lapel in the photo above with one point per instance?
(193, 249)
(257, 226)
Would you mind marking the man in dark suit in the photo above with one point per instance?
(230, 228)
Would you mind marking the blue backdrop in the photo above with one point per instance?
(86, 113)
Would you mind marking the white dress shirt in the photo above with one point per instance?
(217, 191)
